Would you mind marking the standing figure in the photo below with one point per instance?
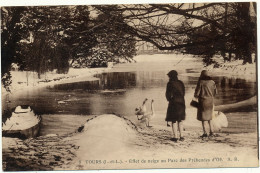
(205, 92)
(175, 92)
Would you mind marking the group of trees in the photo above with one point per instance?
(235, 35)
(44, 38)
(203, 29)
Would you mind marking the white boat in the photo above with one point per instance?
(23, 123)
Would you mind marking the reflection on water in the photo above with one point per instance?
(121, 92)
(84, 85)
(117, 80)
(232, 90)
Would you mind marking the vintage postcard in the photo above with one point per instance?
(129, 86)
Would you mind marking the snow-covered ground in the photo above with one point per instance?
(235, 69)
(110, 142)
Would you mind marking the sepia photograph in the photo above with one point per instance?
(129, 86)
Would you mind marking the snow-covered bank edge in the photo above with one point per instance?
(234, 69)
(22, 80)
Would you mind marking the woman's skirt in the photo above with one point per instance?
(205, 109)
(175, 112)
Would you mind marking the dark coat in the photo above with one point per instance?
(205, 92)
(175, 92)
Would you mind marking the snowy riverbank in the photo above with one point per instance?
(112, 142)
(23, 80)
(234, 69)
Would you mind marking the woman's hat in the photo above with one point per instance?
(172, 73)
(204, 73)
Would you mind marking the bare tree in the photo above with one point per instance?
(181, 26)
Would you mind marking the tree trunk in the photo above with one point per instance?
(229, 56)
(39, 75)
(247, 58)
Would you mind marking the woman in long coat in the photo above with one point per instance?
(205, 92)
(175, 92)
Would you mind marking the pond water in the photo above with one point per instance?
(123, 89)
